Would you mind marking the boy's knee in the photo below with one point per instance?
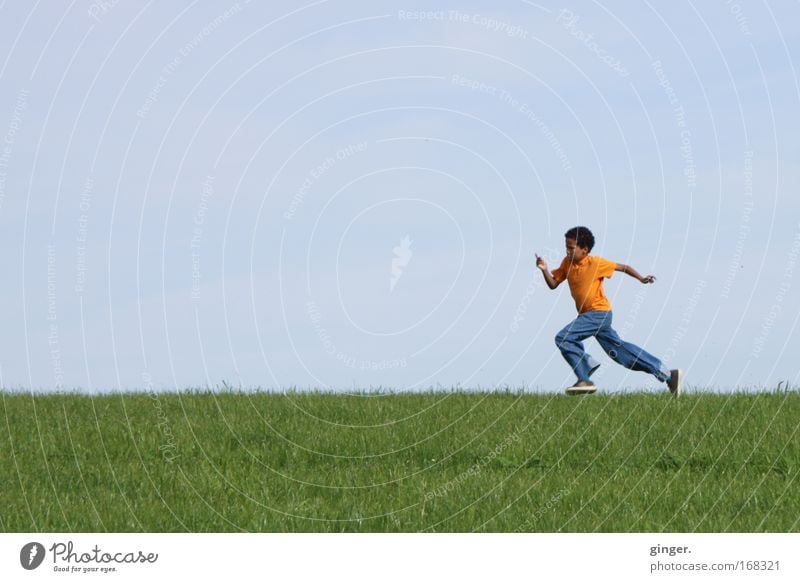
(609, 343)
(560, 337)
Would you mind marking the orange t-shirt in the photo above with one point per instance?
(586, 282)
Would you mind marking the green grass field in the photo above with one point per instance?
(440, 462)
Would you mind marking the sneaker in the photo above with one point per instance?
(582, 387)
(675, 382)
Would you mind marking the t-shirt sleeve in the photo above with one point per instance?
(605, 268)
(561, 273)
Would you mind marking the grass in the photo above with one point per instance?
(400, 462)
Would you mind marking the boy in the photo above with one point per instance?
(585, 275)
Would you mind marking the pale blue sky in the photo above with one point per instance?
(193, 192)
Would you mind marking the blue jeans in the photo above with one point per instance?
(597, 324)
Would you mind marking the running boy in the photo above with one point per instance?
(585, 275)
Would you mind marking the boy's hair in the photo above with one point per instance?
(582, 236)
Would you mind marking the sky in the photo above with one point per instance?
(344, 195)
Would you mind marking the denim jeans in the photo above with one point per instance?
(597, 324)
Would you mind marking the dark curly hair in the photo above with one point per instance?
(582, 236)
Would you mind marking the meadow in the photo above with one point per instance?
(376, 462)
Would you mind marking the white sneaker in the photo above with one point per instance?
(582, 387)
(675, 382)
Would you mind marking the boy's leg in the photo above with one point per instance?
(570, 341)
(629, 355)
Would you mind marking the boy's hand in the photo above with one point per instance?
(542, 264)
(628, 270)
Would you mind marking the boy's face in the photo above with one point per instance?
(575, 253)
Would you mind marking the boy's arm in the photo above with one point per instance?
(628, 270)
(548, 278)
